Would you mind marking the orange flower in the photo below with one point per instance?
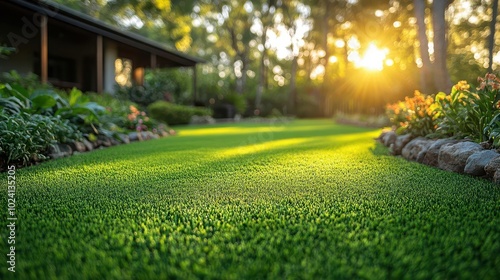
(133, 109)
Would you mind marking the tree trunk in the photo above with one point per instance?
(491, 45)
(441, 75)
(292, 95)
(262, 71)
(325, 88)
(425, 72)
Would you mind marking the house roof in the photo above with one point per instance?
(80, 20)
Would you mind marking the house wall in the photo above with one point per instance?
(18, 30)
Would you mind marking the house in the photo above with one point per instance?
(70, 49)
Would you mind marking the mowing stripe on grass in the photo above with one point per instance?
(302, 199)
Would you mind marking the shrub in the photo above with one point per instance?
(29, 81)
(25, 137)
(468, 114)
(174, 114)
(415, 115)
(238, 101)
(169, 85)
(492, 131)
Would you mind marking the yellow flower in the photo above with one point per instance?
(462, 85)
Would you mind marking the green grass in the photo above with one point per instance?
(300, 200)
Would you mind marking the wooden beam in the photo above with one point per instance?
(44, 53)
(100, 64)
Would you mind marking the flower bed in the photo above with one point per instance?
(38, 122)
(458, 132)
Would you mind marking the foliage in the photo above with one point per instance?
(491, 86)
(416, 115)
(138, 120)
(174, 114)
(26, 137)
(238, 101)
(79, 110)
(465, 113)
(175, 84)
(29, 81)
(6, 51)
(169, 85)
(306, 200)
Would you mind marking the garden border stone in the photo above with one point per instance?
(460, 156)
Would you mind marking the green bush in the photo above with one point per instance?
(465, 113)
(25, 138)
(238, 101)
(174, 114)
(29, 81)
(169, 85)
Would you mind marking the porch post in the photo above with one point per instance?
(153, 61)
(44, 50)
(100, 64)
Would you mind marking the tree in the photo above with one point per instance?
(267, 12)
(491, 42)
(441, 75)
(426, 69)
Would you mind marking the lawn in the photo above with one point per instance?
(295, 200)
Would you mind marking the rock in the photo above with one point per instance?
(453, 157)
(155, 136)
(202, 120)
(415, 147)
(88, 146)
(432, 154)
(486, 145)
(78, 146)
(492, 167)
(388, 138)
(147, 135)
(104, 141)
(164, 134)
(400, 143)
(114, 142)
(60, 151)
(134, 136)
(124, 138)
(478, 161)
(496, 177)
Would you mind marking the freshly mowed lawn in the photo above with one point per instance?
(299, 200)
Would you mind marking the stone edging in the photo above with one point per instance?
(461, 156)
(65, 150)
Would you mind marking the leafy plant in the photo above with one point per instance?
(467, 114)
(6, 51)
(29, 81)
(415, 115)
(174, 114)
(79, 109)
(26, 137)
(168, 85)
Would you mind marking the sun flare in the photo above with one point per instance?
(373, 59)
